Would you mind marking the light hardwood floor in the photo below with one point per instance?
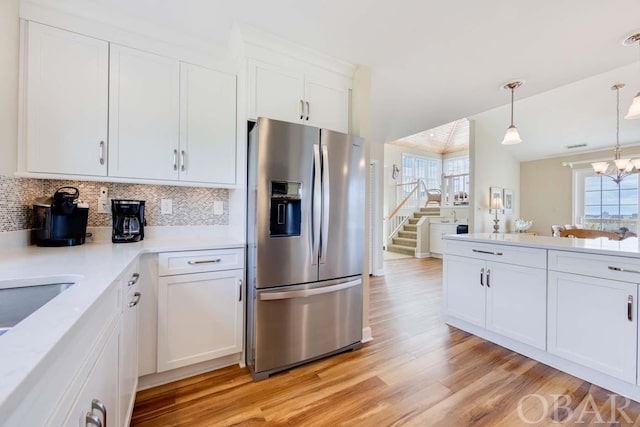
(417, 371)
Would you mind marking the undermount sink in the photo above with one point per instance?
(20, 298)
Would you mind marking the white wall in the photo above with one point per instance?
(492, 165)
(9, 51)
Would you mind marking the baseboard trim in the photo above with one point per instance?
(423, 254)
(366, 334)
(160, 378)
(379, 272)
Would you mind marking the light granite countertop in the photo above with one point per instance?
(629, 247)
(94, 266)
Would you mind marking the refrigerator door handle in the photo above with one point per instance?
(270, 296)
(325, 204)
(316, 204)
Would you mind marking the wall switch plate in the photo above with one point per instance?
(166, 207)
(218, 207)
(104, 206)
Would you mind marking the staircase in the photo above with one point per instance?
(406, 241)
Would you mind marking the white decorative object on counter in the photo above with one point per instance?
(522, 225)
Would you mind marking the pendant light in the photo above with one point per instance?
(512, 136)
(621, 168)
(634, 110)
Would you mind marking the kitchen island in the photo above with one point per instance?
(49, 359)
(568, 303)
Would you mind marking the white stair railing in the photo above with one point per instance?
(413, 196)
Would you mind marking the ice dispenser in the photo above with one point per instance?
(285, 214)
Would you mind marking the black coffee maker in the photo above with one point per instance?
(128, 220)
(60, 220)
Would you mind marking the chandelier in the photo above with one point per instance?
(620, 168)
(634, 109)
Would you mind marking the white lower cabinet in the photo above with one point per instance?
(507, 299)
(437, 231)
(128, 351)
(464, 293)
(592, 321)
(97, 403)
(200, 315)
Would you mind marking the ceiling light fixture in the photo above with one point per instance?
(621, 168)
(634, 109)
(512, 136)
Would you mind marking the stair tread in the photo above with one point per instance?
(399, 249)
(404, 241)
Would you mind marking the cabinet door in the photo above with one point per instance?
(327, 103)
(435, 238)
(517, 302)
(128, 364)
(199, 317)
(66, 97)
(207, 125)
(102, 384)
(464, 290)
(275, 93)
(144, 95)
(592, 322)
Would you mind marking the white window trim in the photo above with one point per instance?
(578, 193)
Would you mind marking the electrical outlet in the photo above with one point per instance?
(166, 207)
(218, 207)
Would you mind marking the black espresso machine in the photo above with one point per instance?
(60, 220)
(128, 220)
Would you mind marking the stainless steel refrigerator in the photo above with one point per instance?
(305, 232)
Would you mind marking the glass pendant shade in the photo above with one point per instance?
(600, 167)
(622, 164)
(636, 163)
(512, 136)
(634, 110)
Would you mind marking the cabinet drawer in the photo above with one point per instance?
(528, 257)
(170, 263)
(603, 266)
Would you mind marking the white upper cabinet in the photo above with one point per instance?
(207, 125)
(66, 102)
(275, 93)
(299, 93)
(327, 103)
(144, 106)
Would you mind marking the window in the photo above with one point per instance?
(458, 171)
(602, 204)
(428, 170)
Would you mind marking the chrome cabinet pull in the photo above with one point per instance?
(134, 279)
(630, 308)
(204, 261)
(92, 420)
(102, 152)
(301, 109)
(240, 290)
(135, 302)
(488, 278)
(182, 165)
(482, 277)
(611, 267)
(487, 252)
(175, 160)
(96, 405)
(307, 110)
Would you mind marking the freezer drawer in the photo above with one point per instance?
(297, 323)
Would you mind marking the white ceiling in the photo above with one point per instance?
(432, 61)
